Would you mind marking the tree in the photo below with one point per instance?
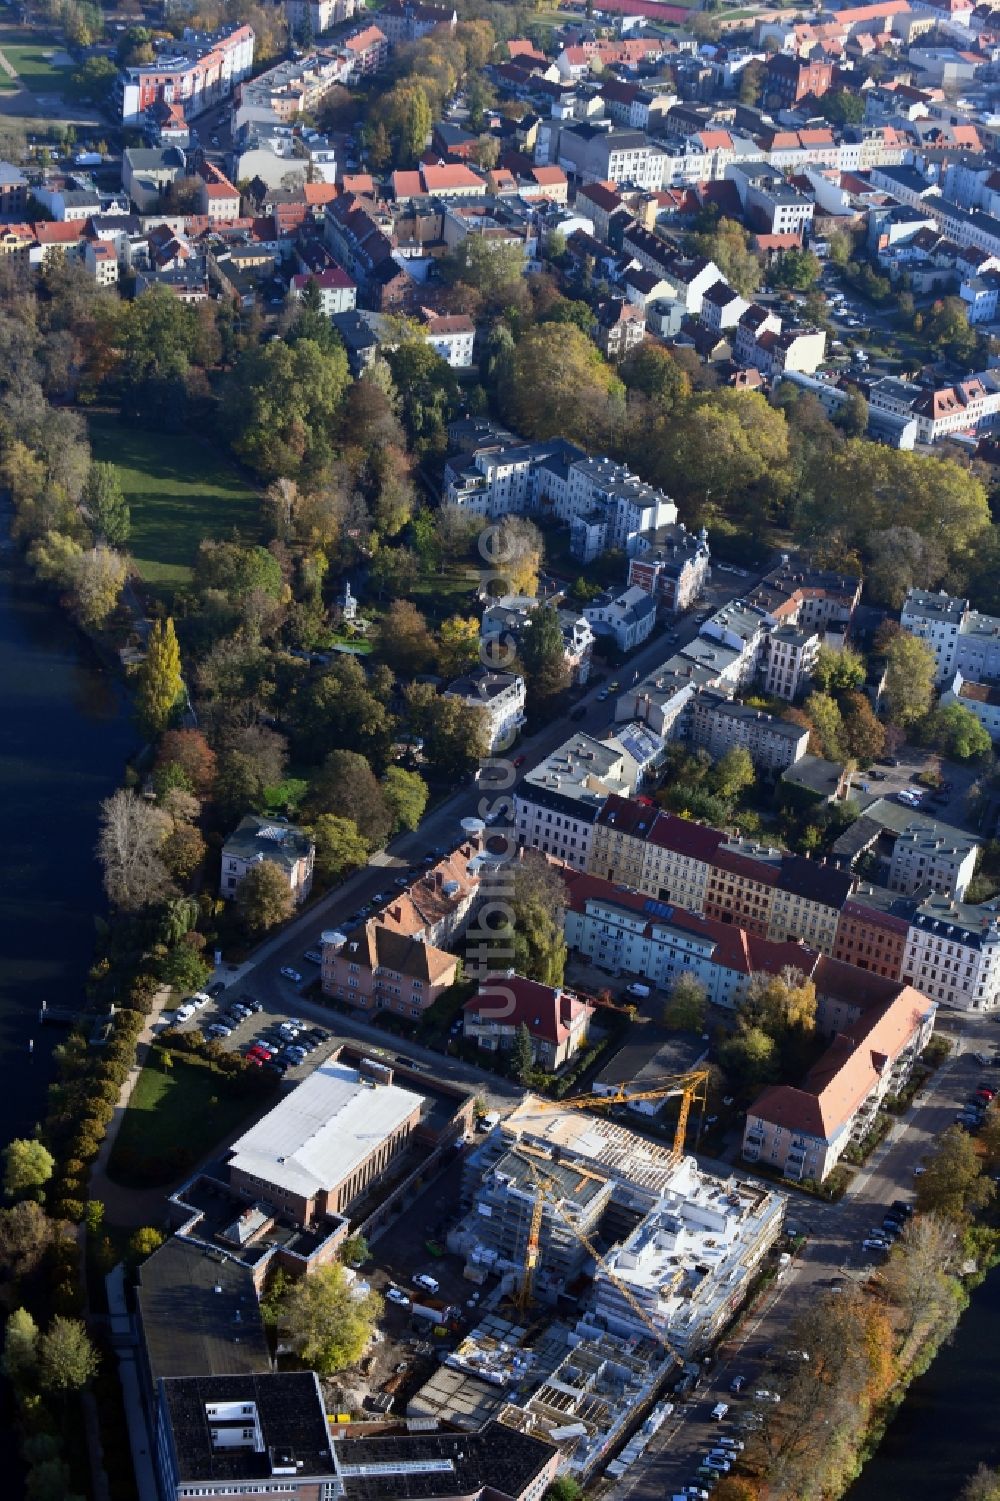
(20, 1346)
(26, 1232)
(405, 641)
(543, 656)
(406, 794)
(842, 107)
(129, 848)
(521, 1055)
(685, 1010)
(183, 851)
(838, 671)
(983, 1485)
(728, 245)
(456, 735)
(327, 1324)
(900, 559)
(733, 773)
(144, 1242)
(27, 1165)
(347, 786)
(824, 715)
(864, 734)
(189, 750)
(515, 549)
(562, 387)
(751, 82)
(339, 848)
(106, 507)
(947, 330)
(652, 371)
(98, 577)
(458, 645)
(537, 900)
(730, 445)
(355, 1249)
(264, 897)
(956, 732)
(909, 679)
(66, 1358)
(779, 1003)
(160, 681)
(915, 1277)
(751, 1057)
(952, 1185)
(564, 1488)
(486, 152)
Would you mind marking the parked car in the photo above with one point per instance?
(313, 956)
(199, 1000)
(251, 1005)
(215, 989)
(428, 1283)
(737, 1384)
(184, 1013)
(218, 1030)
(764, 1395)
(396, 1295)
(291, 974)
(736, 1444)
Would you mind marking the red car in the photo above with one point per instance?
(520, 760)
(257, 1062)
(259, 1053)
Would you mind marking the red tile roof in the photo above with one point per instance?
(548, 1013)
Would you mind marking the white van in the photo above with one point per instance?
(640, 992)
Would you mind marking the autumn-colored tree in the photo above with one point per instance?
(160, 681)
(191, 752)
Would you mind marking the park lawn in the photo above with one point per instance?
(180, 491)
(176, 1115)
(26, 53)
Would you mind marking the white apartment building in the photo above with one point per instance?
(195, 72)
(557, 803)
(627, 618)
(981, 699)
(452, 336)
(938, 619)
(282, 845)
(953, 954)
(500, 696)
(788, 659)
(922, 856)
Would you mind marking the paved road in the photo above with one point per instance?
(832, 1251)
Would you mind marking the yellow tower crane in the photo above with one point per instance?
(691, 1088)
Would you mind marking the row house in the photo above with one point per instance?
(793, 349)
(558, 802)
(689, 277)
(953, 953)
(628, 933)
(873, 931)
(590, 153)
(962, 639)
(803, 1131)
(673, 565)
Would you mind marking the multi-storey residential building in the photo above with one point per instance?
(452, 336)
(374, 968)
(195, 72)
(791, 79)
(367, 52)
(593, 153)
(953, 953)
(774, 207)
(678, 860)
(627, 618)
(873, 930)
(618, 841)
(13, 191)
(793, 349)
(937, 618)
(294, 87)
(628, 933)
(789, 657)
(321, 15)
(981, 699)
(923, 856)
(804, 1131)
(337, 292)
(741, 883)
(557, 803)
(557, 1021)
(257, 839)
(721, 307)
(807, 901)
(811, 598)
(716, 724)
(505, 618)
(409, 20)
(671, 564)
(500, 696)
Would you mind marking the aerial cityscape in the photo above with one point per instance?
(500, 666)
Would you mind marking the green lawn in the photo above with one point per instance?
(26, 52)
(174, 1119)
(180, 491)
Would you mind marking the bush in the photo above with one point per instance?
(936, 1051)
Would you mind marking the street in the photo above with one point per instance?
(832, 1253)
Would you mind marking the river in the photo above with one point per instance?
(949, 1423)
(65, 734)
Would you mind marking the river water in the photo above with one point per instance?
(65, 734)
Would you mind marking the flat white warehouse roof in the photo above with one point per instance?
(323, 1130)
